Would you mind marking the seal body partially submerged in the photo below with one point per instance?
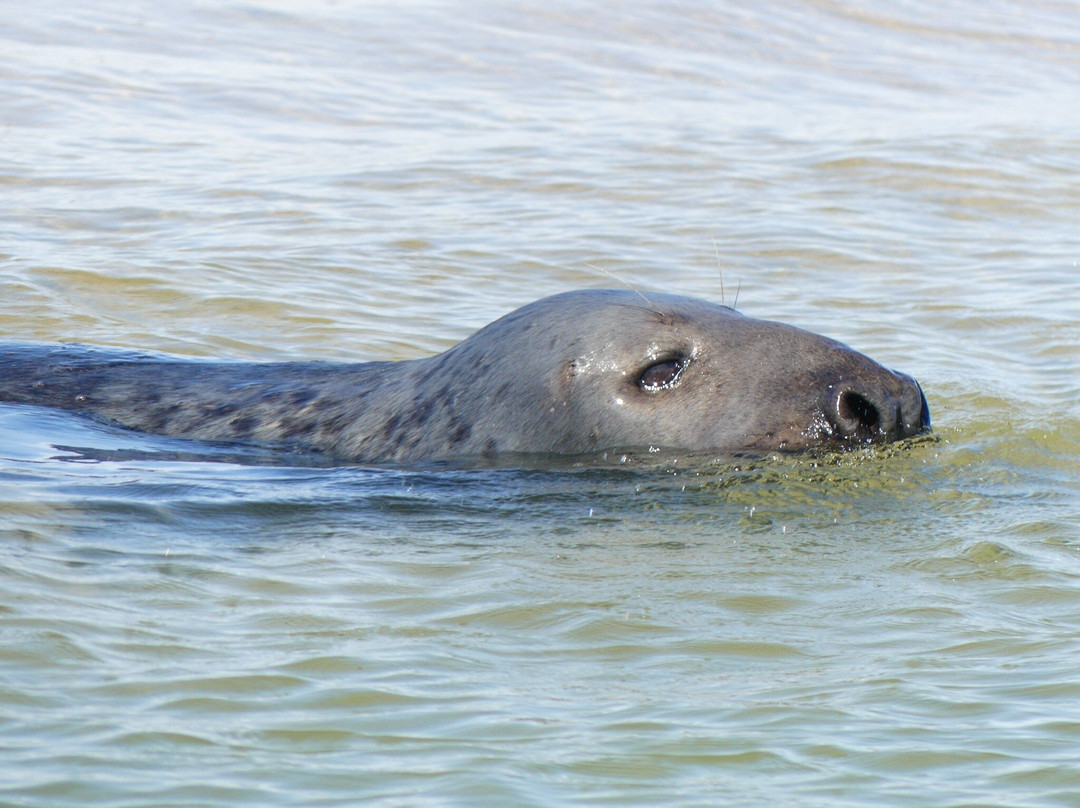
(577, 373)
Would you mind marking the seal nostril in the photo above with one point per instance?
(856, 415)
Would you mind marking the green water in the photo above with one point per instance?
(376, 180)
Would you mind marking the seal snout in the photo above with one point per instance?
(867, 414)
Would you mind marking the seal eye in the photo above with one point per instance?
(661, 376)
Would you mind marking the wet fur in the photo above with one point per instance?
(556, 377)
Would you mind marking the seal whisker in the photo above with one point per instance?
(629, 286)
(720, 269)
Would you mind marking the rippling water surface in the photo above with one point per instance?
(362, 180)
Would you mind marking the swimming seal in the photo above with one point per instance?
(577, 373)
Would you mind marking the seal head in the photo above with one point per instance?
(601, 370)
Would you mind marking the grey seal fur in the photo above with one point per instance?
(573, 374)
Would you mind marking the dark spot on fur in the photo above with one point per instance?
(461, 433)
(294, 427)
(337, 423)
(244, 425)
(391, 425)
(301, 397)
(421, 412)
(159, 419)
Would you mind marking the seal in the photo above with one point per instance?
(574, 374)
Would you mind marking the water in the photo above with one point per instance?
(366, 180)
